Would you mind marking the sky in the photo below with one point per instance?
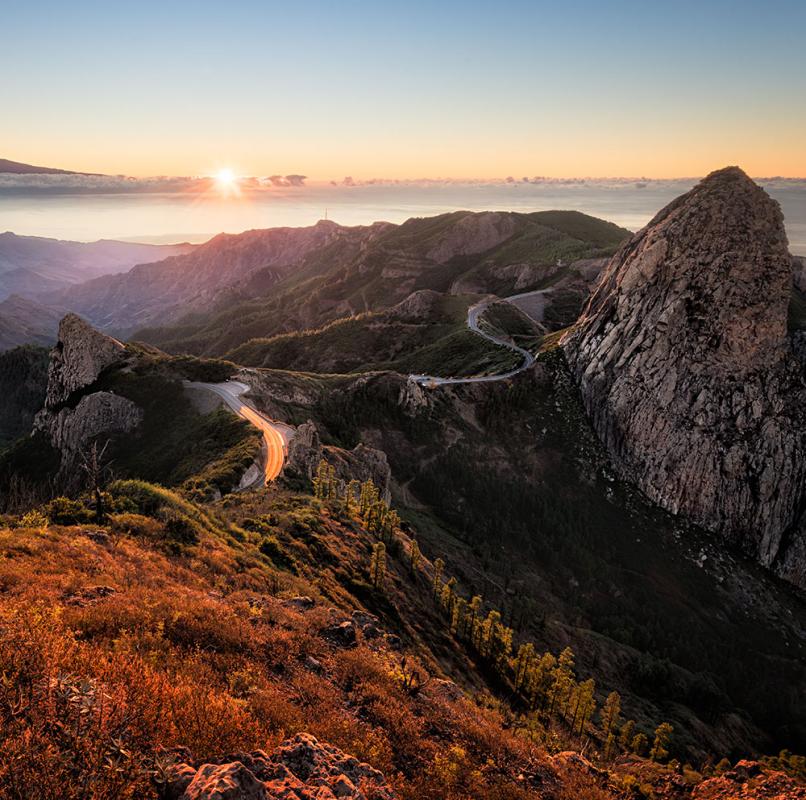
(416, 89)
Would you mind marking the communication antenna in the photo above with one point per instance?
(325, 213)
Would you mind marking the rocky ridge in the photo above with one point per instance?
(686, 371)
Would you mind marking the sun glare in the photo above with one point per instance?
(225, 178)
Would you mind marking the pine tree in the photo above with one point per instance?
(320, 482)
(540, 680)
(471, 631)
(414, 556)
(439, 565)
(447, 596)
(377, 566)
(489, 634)
(611, 711)
(458, 614)
(526, 652)
(391, 520)
(563, 679)
(639, 744)
(332, 483)
(663, 733)
(502, 648)
(610, 746)
(626, 734)
(584, 705)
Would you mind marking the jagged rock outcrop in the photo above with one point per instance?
(301, 768)
(79, 358)
(686, 371)
(305, 452)
(81, 354)
(99, 413)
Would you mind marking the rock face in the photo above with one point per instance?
(305, 452)
(98, 413)
(76, 362)
(685, 369)
(80, 355)
(301, 768)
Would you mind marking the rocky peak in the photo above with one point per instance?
(81, 354)
(685, 369)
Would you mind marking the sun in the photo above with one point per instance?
(225, 178)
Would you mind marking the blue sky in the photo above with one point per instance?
(410, 89)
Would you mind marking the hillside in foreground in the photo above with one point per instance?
(170, 636)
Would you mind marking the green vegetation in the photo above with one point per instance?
(523, 496)
(23, 380)
(27, 471)
(345, 280)
(440, 344)
(176, 444)
(505, 320)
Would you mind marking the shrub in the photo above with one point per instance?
(180, 528)
(66, 511)
(137, 525)
(33, 519)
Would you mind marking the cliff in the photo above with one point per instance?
(74, 415)
(686, 372)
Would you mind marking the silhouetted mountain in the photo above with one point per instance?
(19, 168)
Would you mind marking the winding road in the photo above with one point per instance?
(275, 434)
(473, 314)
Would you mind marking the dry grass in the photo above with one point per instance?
(197, 650)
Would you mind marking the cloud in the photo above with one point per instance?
(39, 184)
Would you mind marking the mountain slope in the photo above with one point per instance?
(23, 321)
(23, 379)
(508, 484)
(18, 168)
(33, 265)
(175, 286)
(459, 253)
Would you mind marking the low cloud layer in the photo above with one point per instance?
(37, 184)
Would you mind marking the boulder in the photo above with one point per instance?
(686, 371)
(342, 634)
(225, 782)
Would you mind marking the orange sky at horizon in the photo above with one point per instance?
(762, 166)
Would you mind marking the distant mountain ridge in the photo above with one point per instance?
(18, 168)
(24, 321)
(31, 265)
(271, 281)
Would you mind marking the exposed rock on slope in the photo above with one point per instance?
(305, 452)
(194, 281)
(685, 369)
(301, 768)
(99, 413)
